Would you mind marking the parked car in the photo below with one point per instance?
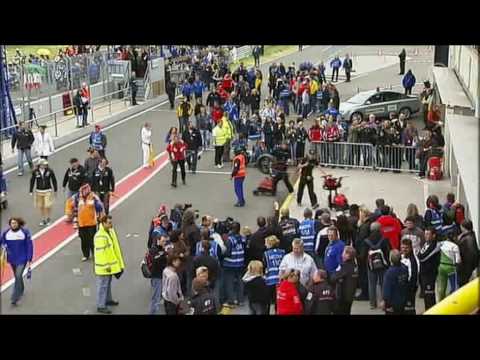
(380, 103)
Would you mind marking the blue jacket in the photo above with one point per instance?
(235, 255)
(198, 87)
(395, 283)
(333, 255)
(19, 246)
(187, 89)
(409, 80)
(232, 110)
(331, 111)
(336, 63)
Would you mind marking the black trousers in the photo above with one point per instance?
(170, 308)
(192, 156)
(402, 67)
(102, 153)
(175, 165)
(171, 99)
(311, 192)
(427, 284)
(134, 98)
(218, 155)
(335, 72)
(343, 308)
(86, 234)
(408, 91)
(410, 305)
(105, 198)
(348, 73)
(282, 176)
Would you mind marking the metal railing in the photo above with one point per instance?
(365, 156)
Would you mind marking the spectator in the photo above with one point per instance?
(391, 227)
(321, 297)
(85, 93)
(429, 258)
(256, 243)
(43, 143)
(177, 153)
(395, 285)
(91, 164)
(171, 289)
(74, 178)
(302, 137)
(288, 297)
(412, 212)
(193, 140)
(345, 278)
(159, 262)
(322, 240)
(347, 65)
(44, 180)
(18, 243)
(469, 253)
(309, 229)
(23, 138)
(98, 140)
(300, 261)
(103, 183)
(334, 251)
(408, 82)
(146, 138)
(335, 65)
(411, 262)
(376, 250)
(203, 301)
(108, 262)
(290, 229)
(184, 111)
(402, 56)
(415, 234)
(256, 288)
(365, 220)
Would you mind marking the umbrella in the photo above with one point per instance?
(44, 52)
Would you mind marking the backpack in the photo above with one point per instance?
(147, 265)
(376, 259)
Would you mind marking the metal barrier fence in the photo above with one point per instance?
(365, 156)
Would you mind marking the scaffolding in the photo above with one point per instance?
(7, 112)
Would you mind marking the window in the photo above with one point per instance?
(375, 99)
(392, 96)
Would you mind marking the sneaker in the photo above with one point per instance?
(174, 185)
(43, 223)
(112, 303)
(48, 221)
(221, 166)
(84, 259)
(104, 310)
(20, 174)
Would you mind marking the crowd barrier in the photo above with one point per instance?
(366, 156)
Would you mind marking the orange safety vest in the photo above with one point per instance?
(242, 172)
(87, 215)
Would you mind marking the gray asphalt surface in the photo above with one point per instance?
(56, 288)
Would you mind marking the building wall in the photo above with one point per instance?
(464, 59)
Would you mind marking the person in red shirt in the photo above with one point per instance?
(227, 83)
(217, 113)
(332, 135)
(315, 137)
(288, 297)
(391, 228)
(177, 152)
(434, 116)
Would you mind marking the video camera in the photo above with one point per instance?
(223, 227)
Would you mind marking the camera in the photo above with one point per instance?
(223, 227)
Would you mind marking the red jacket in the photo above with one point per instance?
(391, 229)
(333, 134)
(177, 151)
(315, 134)
(288, 299)
(217, 114)
(227, 83)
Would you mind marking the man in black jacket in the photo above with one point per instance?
(467, 244)
(159, 262)
(290, 230)
(321, 297)
(306, 179)
(193, 139)
(256, 244)
(133, 89)
(402, 56)
(280, 168)
(171, 87)
(429, 258)
(410, 261)
(203, 301)
(74, 177)
(346, 280)
(24, 139)
(44, 179)
(103, 183)
(395, 286)
(347, 65)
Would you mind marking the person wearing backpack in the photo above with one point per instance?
(156, 261)
(376, 249)
(321, 297)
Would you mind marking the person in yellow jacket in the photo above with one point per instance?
(230, 130)
(108, 262)
(184, 111)
(313, 94)
(219, 135)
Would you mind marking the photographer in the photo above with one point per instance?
(281, 155)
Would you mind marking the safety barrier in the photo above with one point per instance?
(365, 156)
(464, 301)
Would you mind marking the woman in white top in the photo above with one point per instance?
(43, 143)
(146, 143)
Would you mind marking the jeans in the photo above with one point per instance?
(374, 278)
(293, 150)
(192, 156)
(20, 155)
(104, 290)
(84, 116)
(156, 295)
(19, 286)
(233, 284)
(238, 183)
(182, 123)
(205, 138)
(258, 308)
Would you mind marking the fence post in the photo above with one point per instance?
(110, 104)
(55, 120)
